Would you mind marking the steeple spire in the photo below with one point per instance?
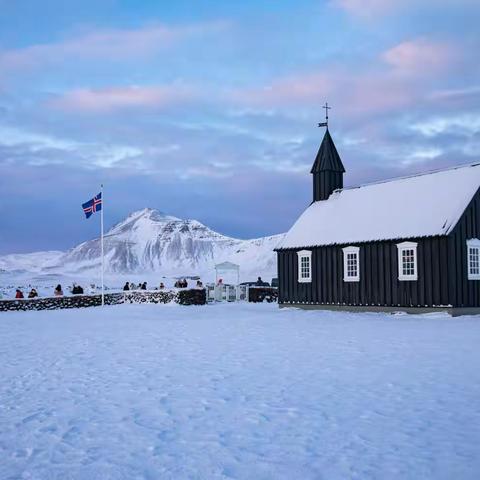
(325, 123)
(327, 169)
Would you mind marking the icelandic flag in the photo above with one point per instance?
(93, 205)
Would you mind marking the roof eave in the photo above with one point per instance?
(338, 244)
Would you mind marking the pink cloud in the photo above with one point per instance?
(371, 9)
(397, 79)
(110, 99)
(372, 90)
(113, 44)
(292, 90)
(419, 57)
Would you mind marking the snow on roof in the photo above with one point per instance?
(422, 205)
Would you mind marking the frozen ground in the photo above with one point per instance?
(238, 391)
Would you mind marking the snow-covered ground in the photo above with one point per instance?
(238, 391)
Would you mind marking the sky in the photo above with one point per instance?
(208, 109)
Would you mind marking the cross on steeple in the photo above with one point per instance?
(325, 123)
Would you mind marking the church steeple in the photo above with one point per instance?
(327, 170)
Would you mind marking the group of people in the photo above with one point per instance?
(78, 290)
(57, 292)
(131, 286)
(180, 283)
(32, 294)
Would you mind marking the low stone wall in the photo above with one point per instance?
(262, 294)
(182, 297)
(162, 296)
(194, 296)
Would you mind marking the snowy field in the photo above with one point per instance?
(238, 391)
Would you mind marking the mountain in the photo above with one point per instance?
(31, 262)
(149, 241)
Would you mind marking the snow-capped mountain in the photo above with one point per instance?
(32, 262)
(148, 241)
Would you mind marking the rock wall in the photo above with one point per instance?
(192, 297)
(182, 297)
(161, 296)
(262, 294)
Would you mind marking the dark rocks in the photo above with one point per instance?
(194, 296)
(262, 294)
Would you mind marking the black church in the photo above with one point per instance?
(407, 244)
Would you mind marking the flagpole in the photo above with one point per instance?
(101, 227)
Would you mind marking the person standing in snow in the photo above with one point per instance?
(58, 292)
(19, 294)
(77, 289)
(162, 286)
(33, 293)
(143, 286)
(126, 287)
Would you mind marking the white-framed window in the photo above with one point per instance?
(473, 259)
(351, 264)
(407, 261)
(304, 266)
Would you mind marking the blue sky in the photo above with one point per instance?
(208, 109)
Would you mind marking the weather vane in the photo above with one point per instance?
(325, 123)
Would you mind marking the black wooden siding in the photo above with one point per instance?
(325, 182)
(378, 285)
(465, 293)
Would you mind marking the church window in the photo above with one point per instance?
(351, 264)
(407, 261)
(473, 258)
(304, 266)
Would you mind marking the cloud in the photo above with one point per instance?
(470, 95)
(38, 149)
(424, 154)
(117, 98)
(467, 125)
(290, 90)
(11, 136)
(372, 9)
(420, 56)
(112, 44)
(368, 91)
(367, 8)
(395, 78)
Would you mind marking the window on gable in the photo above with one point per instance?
(473, 258)
(304, 266)
(407, 261)
(351, 264)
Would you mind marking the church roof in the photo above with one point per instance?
(327, 157)
(423, 205)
